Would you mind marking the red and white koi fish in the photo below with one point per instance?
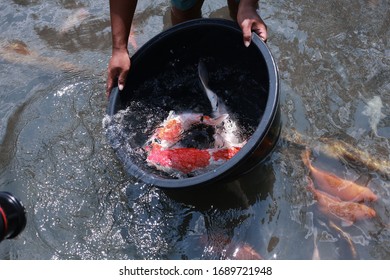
(343, 189)
(347, 211)
(165, 152)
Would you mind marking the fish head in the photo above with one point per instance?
(371, 213)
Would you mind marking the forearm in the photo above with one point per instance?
(253, 4)
(121, 13)
(250, 21)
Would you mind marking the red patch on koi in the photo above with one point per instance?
(185, 160)
(170, 132)
(225, 154)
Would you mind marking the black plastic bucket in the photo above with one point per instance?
(178, 49)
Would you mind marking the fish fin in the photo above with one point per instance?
(219, 120)
(347, 238)
(203, 74)
(316, 252)
(346, 223)
(310, 185)
(306, 158)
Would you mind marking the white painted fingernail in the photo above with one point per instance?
(247, 43)
(120, 87)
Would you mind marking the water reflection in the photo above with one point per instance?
(165, 223)
(334, 66)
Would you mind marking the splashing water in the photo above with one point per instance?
(133, 128)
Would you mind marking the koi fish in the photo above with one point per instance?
(339, 149)
(347, 211)
(344, 189)
(241, 252)
(75, 19)
(342, 149)
(166, 151)
(17, 51)
(228, 249)
(373, 110)
(229, 131)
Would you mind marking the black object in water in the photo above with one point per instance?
(12, 216)
(251, 72)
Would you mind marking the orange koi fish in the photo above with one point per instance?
(347, 211)
(242, 252)
(344, 189)
(230, 250)
(18, 52)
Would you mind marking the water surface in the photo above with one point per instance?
(334, 62)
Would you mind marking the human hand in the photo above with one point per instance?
(249, 20)
(118, 68)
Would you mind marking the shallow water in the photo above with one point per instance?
(334, 61)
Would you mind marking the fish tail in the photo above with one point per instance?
(213, 98)
(310, 186)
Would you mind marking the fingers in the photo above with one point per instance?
(118, 68)
(248, 26)
(122, 79)
(261, 31)
(113, 77)
(109, 85)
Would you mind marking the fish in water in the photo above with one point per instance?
(75, 19)
(339, 148)
(17, 51)
(347, 211)
(165, 149)
(227, 249)
(229, 131)
(373, 110)
(241, 252)
(341, 188)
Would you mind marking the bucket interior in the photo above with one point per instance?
(164, 77)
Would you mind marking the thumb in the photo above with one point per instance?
(247, 36)
(246, 32)
(122, 80)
